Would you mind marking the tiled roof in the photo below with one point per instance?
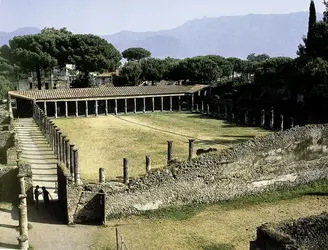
(103, 92)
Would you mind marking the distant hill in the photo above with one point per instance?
(231, 36)
(6, 36)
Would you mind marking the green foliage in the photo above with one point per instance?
(317, 41)
(135, 54)
(5, 86)
(131, 73)
(91, 53)
(153, 69)
(325, 13)
(32, 53)
(42, 52)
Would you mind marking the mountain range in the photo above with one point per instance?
(228, 36)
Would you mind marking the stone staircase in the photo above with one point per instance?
(37, 152)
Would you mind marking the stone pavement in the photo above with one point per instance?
(37, 152)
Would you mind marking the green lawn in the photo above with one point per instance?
(105, 141)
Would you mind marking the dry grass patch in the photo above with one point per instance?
(105, 141)
(226, 226)
(213, 228)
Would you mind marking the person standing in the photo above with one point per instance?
(46, 195)
(37, 192)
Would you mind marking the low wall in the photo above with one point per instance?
(305, 233)
(292, 157)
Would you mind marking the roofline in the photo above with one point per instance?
(20, 96)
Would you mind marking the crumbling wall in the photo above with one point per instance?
(309, 233)
(292, 157)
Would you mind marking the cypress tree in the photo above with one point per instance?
(312, 17)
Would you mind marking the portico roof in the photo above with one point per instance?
(106, 92)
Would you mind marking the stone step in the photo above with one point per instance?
(37, 157)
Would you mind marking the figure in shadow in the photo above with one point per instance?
(46, 195)
(37, 192)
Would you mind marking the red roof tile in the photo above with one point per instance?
(104, 92)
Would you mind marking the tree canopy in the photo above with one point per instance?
(135, 54)
(56, 48)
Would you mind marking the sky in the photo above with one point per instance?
(104, 17)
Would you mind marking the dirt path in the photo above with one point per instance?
(46, 230)
(212, 227)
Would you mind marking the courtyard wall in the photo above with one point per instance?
(291, 157)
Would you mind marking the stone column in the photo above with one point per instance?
(125, 171)
(57, 142)
(226, 111)
(191, 149)
(135, 105)
(282, 122)
(66, 109)
(45, 109)
(162, 104)
(246, 117)
(125, 106)
(218, 109)
(192, 102)
(263, 117)
(77, 178)
(106, 107)
(208, 109)
(233, 117)
(115, 107)
(67, 150)
(148, 164)
(10, 109)
(71, 160)
(64, 156)
(197, 108)
(23, 220)
(169, 152)
(272, 118)
(202, 107)
(60, 147)
(96, 107)
(179, 103)
(153, 104)
(76, 108)
(86, 109)
(291, 122)
(101, 175)
(144, 105)
(170, 103)
(56, 114)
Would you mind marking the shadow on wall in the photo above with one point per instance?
(9, 186)
(92, 211)
(6, 142)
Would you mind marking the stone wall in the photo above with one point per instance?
(63, 179)
(6, 142)
(292, 157)
(306, 233)
(9, 186)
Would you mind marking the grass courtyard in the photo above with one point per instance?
(105, 141)
(226, 226)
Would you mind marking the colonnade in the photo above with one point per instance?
(175, 102)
